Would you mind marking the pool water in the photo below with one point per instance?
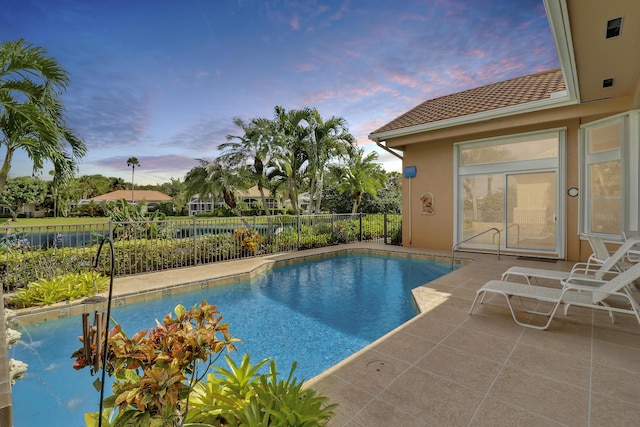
(316, 313)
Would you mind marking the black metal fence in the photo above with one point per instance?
(31, 253)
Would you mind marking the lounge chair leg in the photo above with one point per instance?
(476, 299)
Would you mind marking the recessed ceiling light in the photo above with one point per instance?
(614, 26)
(607, 83)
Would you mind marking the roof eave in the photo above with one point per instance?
(529, 107)
(558, 17)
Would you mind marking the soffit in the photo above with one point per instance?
(598, 58)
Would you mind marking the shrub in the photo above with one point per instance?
(241, 396)
(66, 287)
(157, 380)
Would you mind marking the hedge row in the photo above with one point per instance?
(142, 255)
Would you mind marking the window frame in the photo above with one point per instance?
(629, 156)
(556, 164)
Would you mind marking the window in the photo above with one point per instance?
(610, 175)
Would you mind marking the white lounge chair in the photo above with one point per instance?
(613, 264)
(590, 293)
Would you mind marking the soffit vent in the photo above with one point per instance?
(614, 26)
(607, 83)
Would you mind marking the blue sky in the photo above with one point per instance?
(162, 80)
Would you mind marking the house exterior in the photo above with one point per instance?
(151, 197)
(250, 197)
(545, 158)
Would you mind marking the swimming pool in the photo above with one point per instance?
(317, 312)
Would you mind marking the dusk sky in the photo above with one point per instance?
(162, 80)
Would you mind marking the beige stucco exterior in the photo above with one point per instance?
(432, 153)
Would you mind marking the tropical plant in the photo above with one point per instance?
(31, 114)
(217, 177)
(359, 175)
(328, 139)
(116, 183)
(66, 287)
(155, 370)
(132, 220)
(133, 162)
(291, 132)
(241, 396)
(253, 150)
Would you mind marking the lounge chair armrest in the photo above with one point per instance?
(582, 283)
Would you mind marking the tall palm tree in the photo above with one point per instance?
(253, 150)
(291, 132)
(133, 162)
(360, 175)
(31, 114)
(328, 139)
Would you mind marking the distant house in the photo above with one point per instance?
(30, 210)
(546, 158)
(151, 197)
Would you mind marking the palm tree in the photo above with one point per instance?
(328, 139)
(360, 175)
(253, 150)
(31, 114)
(291, 132)
(133, 162)
(212, 178)
(117, 183)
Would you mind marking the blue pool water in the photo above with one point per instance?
(316, 313)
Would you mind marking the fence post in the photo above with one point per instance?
(299, 230)
(195, 242)
(360, 236)
(384, 218)
(333, 236)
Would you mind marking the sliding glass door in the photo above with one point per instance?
(510, 185)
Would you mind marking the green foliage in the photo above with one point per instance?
(22, 190)
(31, 112)
(92, 209)
(41, 264)
(241, 396)
(154, 246)
(66, 287)
(155, 370)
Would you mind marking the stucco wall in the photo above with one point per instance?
(434, 173)
(432, 155)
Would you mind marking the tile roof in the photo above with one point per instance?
(138, 195)
(521, 90)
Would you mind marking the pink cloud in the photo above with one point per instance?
(201, 73)
(295, 23)
(320, 95)
(341, 11)
(478, 53)
(306, 67)
(404, 79)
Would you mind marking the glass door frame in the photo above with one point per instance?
(557, 165)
